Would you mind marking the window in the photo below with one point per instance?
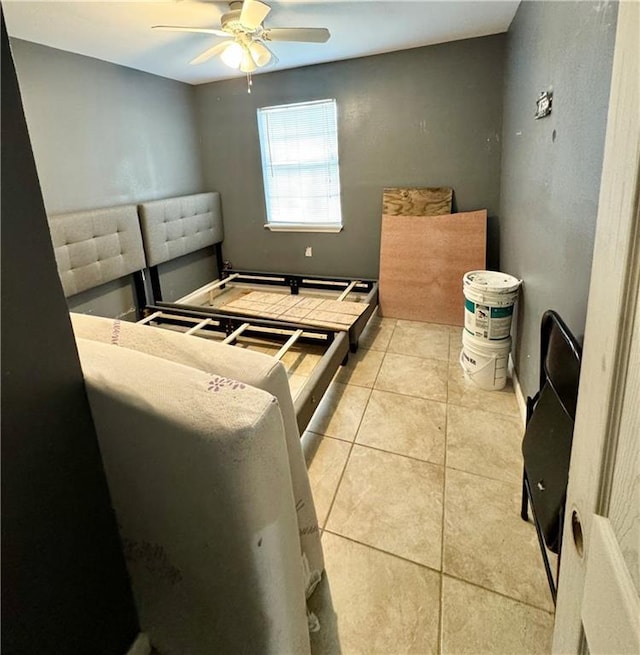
(299, 146)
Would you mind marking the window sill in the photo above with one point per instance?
(301, 227)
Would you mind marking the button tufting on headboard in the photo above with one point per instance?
(177, 226)
(97, 246)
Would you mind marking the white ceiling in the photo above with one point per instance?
(120, 32)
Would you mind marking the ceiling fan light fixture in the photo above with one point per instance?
(247, 65)
(259, 53)
(232, 55)
(247, 38)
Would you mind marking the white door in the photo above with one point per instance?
(598, 608)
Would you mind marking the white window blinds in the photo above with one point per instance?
(299, 146)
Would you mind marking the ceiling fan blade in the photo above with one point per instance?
(199, 30)
(210, 52)
(274, 59)
(253, 13)
(298, 34)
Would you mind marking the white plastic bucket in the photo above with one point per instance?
(485, 362)
(488, 306)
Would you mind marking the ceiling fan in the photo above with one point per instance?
(246, 37)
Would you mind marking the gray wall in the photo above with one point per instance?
(107, 135)
(180, 276)
(104, 134)
(425, 117)
(65, 588)
(551, 167)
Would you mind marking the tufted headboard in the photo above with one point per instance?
(97, 246)
(177, 226)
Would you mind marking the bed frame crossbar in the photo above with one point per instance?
(292, 339)
(347, 291)
(199, 326)
(204, 320)
(236, 333)
(149, 318)
(297, 282)
(306, 403)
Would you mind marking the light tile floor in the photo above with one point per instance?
(416, 478)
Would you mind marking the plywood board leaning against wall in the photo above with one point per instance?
(417, 201)
(423, 260)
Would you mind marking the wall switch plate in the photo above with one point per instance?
(308, 251)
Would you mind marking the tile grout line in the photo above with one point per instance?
(439, 638)
(346, 462)
(488, 411)
(392, 452)
(344, 468)
(512, 415)
(440, 645)
(443, 525)
(446, 468)
(353, 443)
(384, 355)
(335, 493)
(406, 395)
(384, 552)
(442, 573)
(499, 593)
(429, 359)
(518, 483)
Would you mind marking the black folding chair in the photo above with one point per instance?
(546, 446)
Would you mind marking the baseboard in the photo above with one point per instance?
(522, 403)
(141, 646)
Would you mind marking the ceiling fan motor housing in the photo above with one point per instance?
(245, 47)
(230, 22)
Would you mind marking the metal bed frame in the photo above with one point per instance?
(294, 282)
(152, 233)
(201, 319)
(199, 322)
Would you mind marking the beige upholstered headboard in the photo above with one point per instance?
(177, 226)
(97, 246)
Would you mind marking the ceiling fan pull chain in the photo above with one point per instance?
(249, 82)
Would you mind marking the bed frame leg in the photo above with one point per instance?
(154, 276)
(294, 285)
(140, 294)
(220, 263)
